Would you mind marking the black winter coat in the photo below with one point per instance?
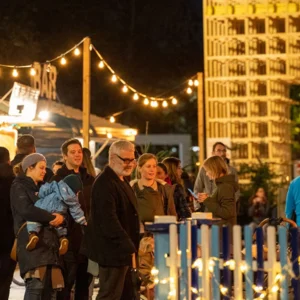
(112, 233)
(74, 229)
(23, 195)
(6, 218)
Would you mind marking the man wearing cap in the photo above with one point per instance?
(74, 262)
(26, 146)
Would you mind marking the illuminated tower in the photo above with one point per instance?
(252, 56)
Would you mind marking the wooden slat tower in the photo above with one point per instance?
(252, 56)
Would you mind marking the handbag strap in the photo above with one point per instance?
(22, 226)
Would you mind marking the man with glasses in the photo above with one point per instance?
(204, 187)
(112, 234)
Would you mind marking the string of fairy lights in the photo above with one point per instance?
(126, 88)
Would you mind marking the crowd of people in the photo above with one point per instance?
(71, 226)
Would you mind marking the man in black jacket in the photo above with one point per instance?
(7, 266)
(112, 234)
(26, 146)
(75, 263)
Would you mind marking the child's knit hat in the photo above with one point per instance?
(74, 182)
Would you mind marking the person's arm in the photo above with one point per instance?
(290, 202)
(105, 216)
(24, 206)
(225, 207)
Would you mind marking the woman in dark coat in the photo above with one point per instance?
(40, 267)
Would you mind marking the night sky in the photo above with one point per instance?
(154, 45)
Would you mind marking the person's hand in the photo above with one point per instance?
(202, 197)
(57, 221)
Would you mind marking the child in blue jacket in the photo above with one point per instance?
(58, 197)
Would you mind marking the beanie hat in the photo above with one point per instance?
(74, 182)
(32, 159)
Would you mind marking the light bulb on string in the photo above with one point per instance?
(48, 69)
(77, 51)
(109, 135)
(114, 78)
(189, 90)
(112, 119)
(15, 73)
(135, 97)
(125, 89)
(146, 101)
(191, 82)
(165, 103)
(63, 61)
(154, 104)
(174, 101)
(32, 71)
(196, 82)
(101, 64)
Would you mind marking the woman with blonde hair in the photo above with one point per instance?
(154, 196)
(173, 165)
(222, 201)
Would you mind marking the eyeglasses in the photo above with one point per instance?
(126, 161)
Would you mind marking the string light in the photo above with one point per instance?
(135, 97)
(109, 135)
(114, 78)
(189, 90)
(48, 69)
(125, 89)
(15, 73)
(63, 61)
(174, 101)
(32, 71)
(77, 51)
(112, 119)
(146, 101)
(101, 64)
(191, 82)
(196, 82)
(154, 104)
(165, 103)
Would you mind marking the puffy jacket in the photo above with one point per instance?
(23, 195)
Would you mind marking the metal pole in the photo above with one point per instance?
(86, 92)
(201, 131)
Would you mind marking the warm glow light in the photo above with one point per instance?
(112, 119)
(125, 89)
(77, 52)
(174, 101)
(223, 290)
(109, 135)
(114, 78)
(15, 73)
(275, 289)
(146, 101)
(154, 271)
(196, 82)
(189, 90)
(43, 115)
(165, 104)
(135, 97)
(154, 104)
(48, 68)
(32, 71)
(101, 64)
(257, 289)
(191, 82)
(63, 61)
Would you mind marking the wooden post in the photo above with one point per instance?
(86, 92)
(201, 120)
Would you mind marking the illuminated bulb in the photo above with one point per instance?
(174, 101)
(211, 265)
(91, 47)
(112, 119)
(152, 104)
(243, 268)
(109, 135)
(165, 104)
(43, 115)
(114, 78)
(278, 277)
(77, 52)
(15, 73)
(189, 90)
(135, 97)
(198, 264)
(154, 271)
(191, 82)
(196, 82)
(146, 101)
(125, 89)
(101, 64)
(63, 61)
(48, 68)
(223, 290)
(257, 289)
(274, 288)
(163, 281)
(262, 295)
(194, 290)
(32, 71)
(156, 281)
